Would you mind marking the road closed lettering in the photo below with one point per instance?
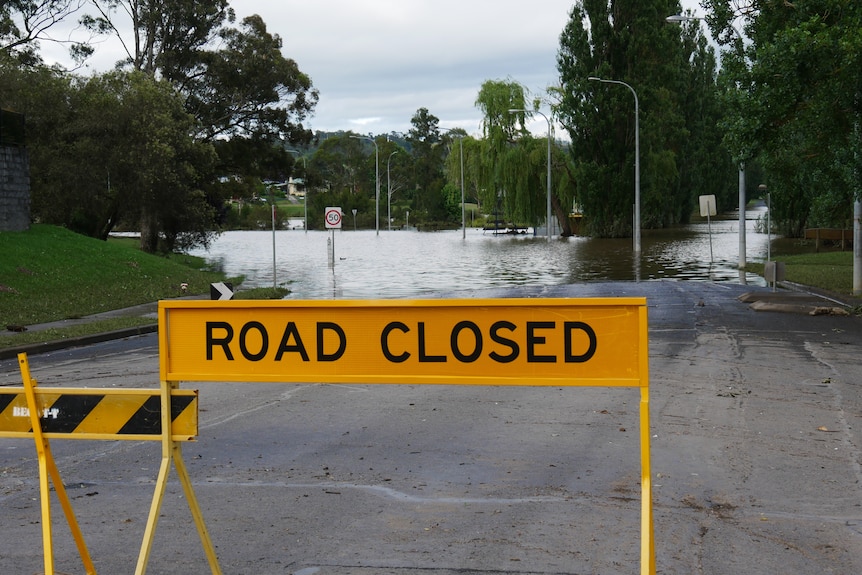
(597, 341)
(465, 342)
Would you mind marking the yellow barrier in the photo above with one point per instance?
(523, 342)
(169, 415)
(91, 413)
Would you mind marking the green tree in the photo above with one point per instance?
(339, 163)
(513, 173)
(234, 81)
(629, 41)
(500, 160)
(248, 89)
(429, 201)
(159, 35)
(793, 92)
(25, 23)
(706, 165)
(107, 149)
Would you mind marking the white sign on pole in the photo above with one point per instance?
(333, 218)
(707, 210)
(707, 206)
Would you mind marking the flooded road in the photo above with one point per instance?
(397, 264)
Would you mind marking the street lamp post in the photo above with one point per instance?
(679, 19)
(548, 199)
(272, 209)
(389, 194)
(463, 208)
(305, 195)
(377, 180)
(637, 222)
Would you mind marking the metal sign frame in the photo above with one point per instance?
(595, 342)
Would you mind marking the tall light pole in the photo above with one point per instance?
(305, 195)
(637, 222)
(463, 205)
(272, 207)
(679, 19)
(377, 180)
(389, 194)
(548, 212)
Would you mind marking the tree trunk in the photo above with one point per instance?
(562, 217)
(149, 232)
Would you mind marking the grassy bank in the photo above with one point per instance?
(829, 270)
(48, 274)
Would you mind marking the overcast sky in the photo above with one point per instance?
(375, 62)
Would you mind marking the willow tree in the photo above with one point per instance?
(505, 179)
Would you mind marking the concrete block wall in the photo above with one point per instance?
(14, 189)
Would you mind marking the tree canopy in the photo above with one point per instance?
(26, 23)
(672, 74)
(193, 100)
(202, 107)
(793, 92)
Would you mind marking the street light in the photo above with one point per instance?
(679, 19)
(389, 194)
(272, 207)
(637, 223)
(548, 214)
(463, 208)
(377, 180)
(305, 195)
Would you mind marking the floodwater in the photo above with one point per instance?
(398, 264)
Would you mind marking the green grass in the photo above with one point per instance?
(49, 273)
(831, 271)
(10, 339)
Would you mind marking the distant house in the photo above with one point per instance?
(296, 187)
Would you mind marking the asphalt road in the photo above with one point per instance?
(756, 459)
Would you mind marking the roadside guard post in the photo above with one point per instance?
(598, 342)
(169, 415)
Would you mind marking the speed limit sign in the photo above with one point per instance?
(333, 218)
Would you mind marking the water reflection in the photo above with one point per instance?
(412, 264)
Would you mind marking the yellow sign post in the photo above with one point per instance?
(518, 342)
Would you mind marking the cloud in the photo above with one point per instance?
(376, 62)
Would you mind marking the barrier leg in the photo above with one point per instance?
(153, 518)
(172, 453)
(647, 528)
(195, 509)
(48, 468)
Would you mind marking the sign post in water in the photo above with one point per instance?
(707, 210)
(332, 217)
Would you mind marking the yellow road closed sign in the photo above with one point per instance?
(559, 342)
(598, 342)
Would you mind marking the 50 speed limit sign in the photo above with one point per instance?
(333, 218)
